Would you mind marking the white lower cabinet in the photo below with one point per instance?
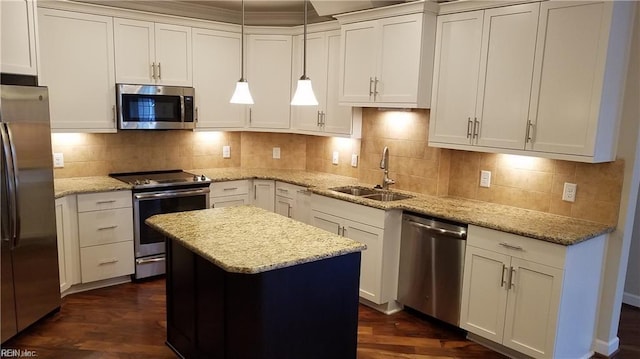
(523, 293)
(68, 247)
(379, 230)
(264, 194)
(229, 193)
(293, 201)
(105, 228)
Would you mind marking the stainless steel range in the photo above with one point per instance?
(159, 192)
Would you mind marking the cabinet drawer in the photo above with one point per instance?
(228, 201)
(288, 190)
(230, 188)
(106, 261)
(104, 200)
(103, 227)
(517, 246)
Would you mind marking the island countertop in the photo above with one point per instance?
(247, 239)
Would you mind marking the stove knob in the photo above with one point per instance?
(196, 178)
(147, 181)
(137, 183)
(203, 177)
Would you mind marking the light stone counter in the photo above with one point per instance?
(247, 239)
(68, 186)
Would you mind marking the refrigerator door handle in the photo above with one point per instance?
(9, 153)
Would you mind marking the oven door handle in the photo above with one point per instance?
(170, 194)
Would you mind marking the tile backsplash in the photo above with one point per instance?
(526, 182)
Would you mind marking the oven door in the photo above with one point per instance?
(148, 241)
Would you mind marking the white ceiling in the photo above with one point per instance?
(257, 12)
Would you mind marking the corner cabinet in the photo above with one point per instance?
(152, 53)
(18, 32)
(76, 63)
(520, 293)
(387, 61)
(216, 69)
(269, 77)
(380, 231)
(560, 67)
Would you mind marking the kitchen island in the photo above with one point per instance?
(243, 282)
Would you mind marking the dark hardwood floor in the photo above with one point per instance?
(128, 321)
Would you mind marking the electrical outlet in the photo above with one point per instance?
(226, 151)
(569, 192)
(354, 160)
(485, 179)
(276, 153)
(58, 160)
(335, 158)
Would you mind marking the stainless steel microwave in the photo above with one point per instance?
(153, 107)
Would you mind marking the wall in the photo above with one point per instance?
(257, 150)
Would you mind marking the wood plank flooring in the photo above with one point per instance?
(128, 321)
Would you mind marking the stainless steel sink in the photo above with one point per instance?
(387, 196)
(355, 190)
(371, 193)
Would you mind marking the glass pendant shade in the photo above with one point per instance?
(242, 95)
(304, 95)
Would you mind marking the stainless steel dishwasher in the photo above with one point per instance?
(431, 266)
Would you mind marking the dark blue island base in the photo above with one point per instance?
(304, 311)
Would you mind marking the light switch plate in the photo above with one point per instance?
(335, 158)
(226, 151)
(58, 160)
(354, 160)
(276, 153)
(485, 179)
(569, 192)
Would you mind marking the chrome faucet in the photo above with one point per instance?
(384, 164)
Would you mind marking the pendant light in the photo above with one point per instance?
(304, 95)
(242, 95)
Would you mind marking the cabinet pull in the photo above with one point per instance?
(107, 227)
(250, 113)
(469, 122)
(511, 246)
(113, 111)
(159, 71)
(370, 83)
(196, 119)
(108, 261)
(230, 189)
(502, 281)
(476, 124)
(289, 211)
(512, 273)
(344, 231)
(323, 117)
(318, 119)
(153, 70)
(255, 190)
(106, 201)
(375, 88)
(529, 131)
(283, 190)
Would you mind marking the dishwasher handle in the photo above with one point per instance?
(448, 232)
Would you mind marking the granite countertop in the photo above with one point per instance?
(247, 239)
(539, 225)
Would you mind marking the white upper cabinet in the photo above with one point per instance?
(482, 82)
(323, 64)
(387, 61)
(18, 29)
(216, 69)
(579, 74)
(541, 79)
(152, 53)
(269, 78)
(76, 63)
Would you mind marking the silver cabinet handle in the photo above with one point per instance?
(283, 190)
(113, 110)
(318, 123)
(106, 201)
(529, 132)
(159, 71)
(323, 118)
(469, 122)
(344, 231)
(375, 88)
(108, 261)
(150, 260)
(476, 126)
(250, 115)
(511, 246)
(502, 281)
(145, 196)
(107, 227)
(512, 273)
(339, 228)
(230, 189)
(153, 70)
(289, 211)
(370, 85)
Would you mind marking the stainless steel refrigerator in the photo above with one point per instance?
(30, 287)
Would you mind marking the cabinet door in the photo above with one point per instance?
(307, 117)
(18, 37)
(371, 263)
(173, 55)
(568, 76)
(65, 283)
(399, 59)
(302, 207)
(264, 194)
(216, 69)
(76, 63)
(284, 206)
(359, 46)
(269, 77)
(327, 222)
(506, 68)
(532, 308)
(455, 80)
(135, 51)
(337, 118)
(484, 293)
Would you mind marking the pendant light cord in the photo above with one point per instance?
(304, 56)
(242, 46)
